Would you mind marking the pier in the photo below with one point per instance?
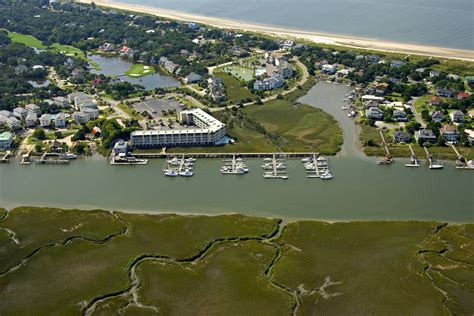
(432, 163)
(274, 168)
(414, 160)
(161, 155)
(25, 158)
(5, 158)
(52, 159)
(388, 157)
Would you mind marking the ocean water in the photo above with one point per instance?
(445, 23)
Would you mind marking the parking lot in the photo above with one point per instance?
(155, 107)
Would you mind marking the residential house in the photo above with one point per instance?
(270, 83)
(329, 69)
(373, 58)
(91, 113)
(457, 116)
(401, 137)
(193, 78)
(470, 136)
(61, 102)
(374, 113)
(80, 118)
(170, 66)
(60, 120)
(20, 69)
(396, 63)
(285, 69)
(425, 135)
(395, 80)
(6, 140)
(216, 89)
(442, 92)
(20, 113)
(462, 95)
(371, 104)
(13, 123)
(434, 73)
(6, 113)
(381, 88)
(45, 120)
(239, 52)
(107, 47)
(121, 147)
(33, 108)
(399, 116)
(436, 101)
(437, 116)
(450, 134)
(31, 119)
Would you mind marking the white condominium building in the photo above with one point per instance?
(205, 130)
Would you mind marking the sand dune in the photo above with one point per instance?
(342, 40)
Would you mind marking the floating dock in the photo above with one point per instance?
(182, 167)
(414, 163)
(387, 160)
(433, 164)
(234, 166)
(5, 158)
(160, 155)
(52, 159)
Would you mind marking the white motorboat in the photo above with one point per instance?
(190, 159)
(186, 173)
(123, 159)
(326, 175)
(436, 166)
(274, 176)
(175, 161)
(70, 156)
(170, 173)
(307, 159)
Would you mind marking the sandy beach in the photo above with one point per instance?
(341, 40)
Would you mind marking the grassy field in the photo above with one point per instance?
(234, 90)
(139, 70)
(240, 72)
(71, 261)
(27, 40)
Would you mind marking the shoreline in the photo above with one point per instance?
(316, 37)
(284, 219)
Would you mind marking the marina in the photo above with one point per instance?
(317, 167)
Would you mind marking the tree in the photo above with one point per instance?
(39, 134)
(58, 135)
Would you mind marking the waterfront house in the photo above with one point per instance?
(45, 120)
(442, 92)
(56, 147)
(60, 120)
(401, 137)
(31, 119)
(457, 116)
(20, 113)
(193, 78)
(33, 108)
(399, 116)
(437, 116)
(425, 135)
(6, 140)
(450, 134)
(470, 136)
(107, 47)
(374, 113)
(13, 123)
(170, 66)
(121, 147)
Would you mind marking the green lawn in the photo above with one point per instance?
(422, 103)
(68, 50)
(234, 90)
(240, 72)
(140, 70)
(27, 40)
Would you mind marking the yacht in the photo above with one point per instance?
(175, 161)
(436, 166)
